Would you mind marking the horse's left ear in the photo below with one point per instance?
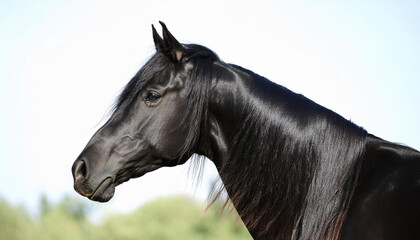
(168, 45)
(159, 45)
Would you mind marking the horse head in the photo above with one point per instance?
(153, 124)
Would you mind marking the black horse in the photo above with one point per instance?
(292, 168)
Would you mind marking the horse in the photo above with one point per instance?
(292, 168)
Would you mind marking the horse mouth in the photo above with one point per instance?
(104, 192)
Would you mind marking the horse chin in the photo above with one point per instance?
(104, 192)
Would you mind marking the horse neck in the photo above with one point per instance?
(269, 144)
(235, 95)
(227, 102)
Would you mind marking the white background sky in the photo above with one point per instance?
(62, 63)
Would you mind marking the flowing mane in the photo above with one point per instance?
(293, 156)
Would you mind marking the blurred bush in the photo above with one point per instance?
(173, 218)
(14, 223)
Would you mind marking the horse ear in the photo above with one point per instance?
(159, 45)
(174, 48)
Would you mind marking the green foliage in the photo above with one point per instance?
(64, 221)
(172, 218)
(175, 218)
(14, 223)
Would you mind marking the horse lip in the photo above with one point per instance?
(104, 192)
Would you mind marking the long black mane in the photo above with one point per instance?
(296, 154)
(292, 165)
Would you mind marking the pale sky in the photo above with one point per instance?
(62, 64)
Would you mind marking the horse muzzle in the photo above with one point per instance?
(101, 190)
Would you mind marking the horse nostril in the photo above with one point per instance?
(80, 170)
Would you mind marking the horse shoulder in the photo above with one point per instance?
(386, 202)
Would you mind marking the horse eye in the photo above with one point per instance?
(152, 97)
